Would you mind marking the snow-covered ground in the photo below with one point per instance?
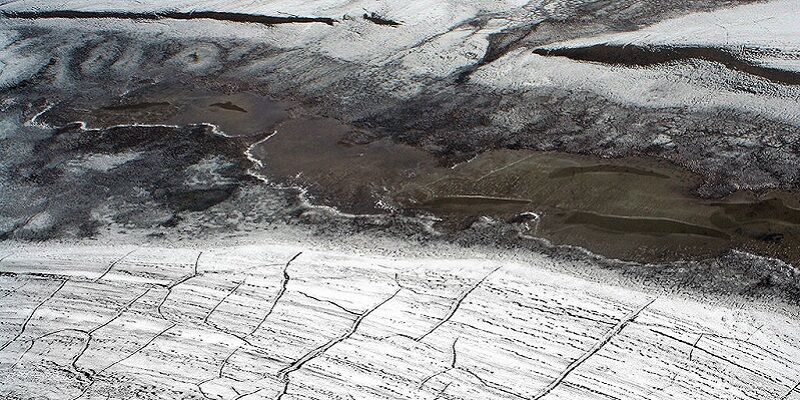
(770, 27)
(437, 39)
(669, 86)
(285, 319)
(352, 38)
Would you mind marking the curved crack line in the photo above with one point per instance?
(594, 349)
(221, 372)
(243, 395)
(456, 305)
(110, 266)
(490, 384)
(281, 291)
(30, 316)
(33, 341)
(90, 333)
(218, 375)
(441, 392)
(694, 346)
(229, 294)
(337, 305)
(283, 374)
(153, 339)
(180, 281)
(451, 367)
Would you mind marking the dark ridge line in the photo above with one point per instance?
(569, 172)
(377, 19)
(14, 290)
(333, 303)
(137, 106)
(786, 396)
(712, 354)
(137, 351)
(645, 56)
(219, 303)
(157, 15)
(228, 106)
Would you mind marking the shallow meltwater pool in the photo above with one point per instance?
(633, 209)
(234, 114)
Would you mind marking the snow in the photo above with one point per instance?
(358, 40)
(431, 44)
(768, 26)
(16, 65)
(774, 24)
(667, 86)
(230, 318)
(291, 317)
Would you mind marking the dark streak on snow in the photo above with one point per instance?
(644, 56)
(153, 16)
(377, 19)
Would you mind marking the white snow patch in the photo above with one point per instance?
(677, 85)
(772, 25)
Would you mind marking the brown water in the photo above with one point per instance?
(238, 114)
(635, 209)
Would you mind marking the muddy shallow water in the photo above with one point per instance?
(633, 209)
(235, 114)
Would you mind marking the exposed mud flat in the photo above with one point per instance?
(631, 208)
